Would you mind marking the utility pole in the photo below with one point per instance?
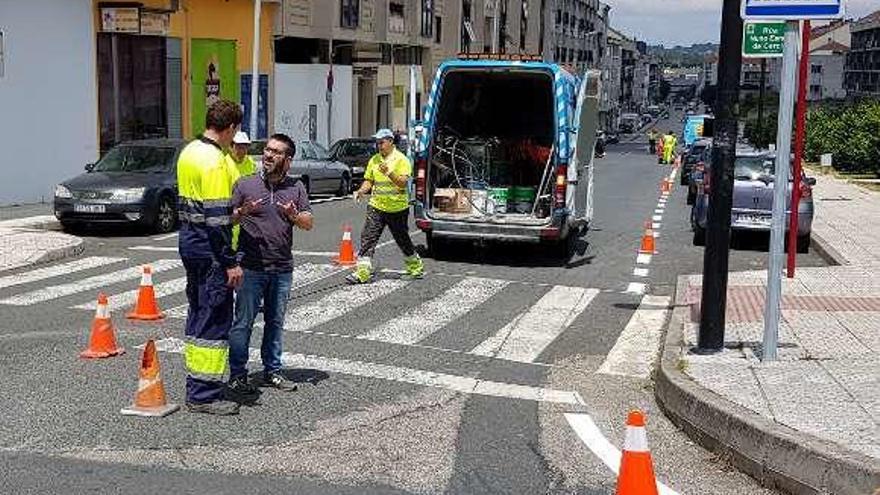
(255, 70)
(715, 256)
(800, 118)
(330, 83)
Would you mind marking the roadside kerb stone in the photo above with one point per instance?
(25, 247)
(777, 456)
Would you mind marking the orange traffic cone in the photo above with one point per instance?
(636, 475)
(677, 161)
(102, 341)
(664, 186)
(647, 246)
(149, 400)
(146, 307)
(346, 249)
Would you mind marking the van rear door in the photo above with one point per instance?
(587, 119)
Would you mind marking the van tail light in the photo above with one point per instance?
(561, 183)
(421, 173)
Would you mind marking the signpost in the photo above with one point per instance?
(792, 11)
(763, 39)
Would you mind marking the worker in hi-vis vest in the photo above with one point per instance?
(205, 178)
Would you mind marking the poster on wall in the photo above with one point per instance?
(120, 20)
(214, 77)
(262, 106)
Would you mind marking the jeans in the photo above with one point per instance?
(270, 288)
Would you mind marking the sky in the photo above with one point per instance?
(683, 22)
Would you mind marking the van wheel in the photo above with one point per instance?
(691, 197)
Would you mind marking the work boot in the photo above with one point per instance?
(276, 380)
(241, 391)
(216, 408)
(415, 268)
(363, 274)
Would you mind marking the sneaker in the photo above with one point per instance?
(277, 380)
(413, 276)
(240, 390)
(354, 279)
(216, 408)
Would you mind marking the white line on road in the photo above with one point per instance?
(128, 298)
(333, 199)
(658, 211)
(56, 291)
(337, 303)
(455, 383)
(657, 218)
(526, 337)
(638, 344)
(165, 237)
(589, 433)
(643, 259)
(656, 225)
(57, 270)
(640, 272)
(161, 249)
(432, 315)
(635, 288)
(323, 254)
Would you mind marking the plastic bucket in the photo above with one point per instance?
(498, 198)
(523, 198)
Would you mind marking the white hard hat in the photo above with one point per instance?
(241, 137)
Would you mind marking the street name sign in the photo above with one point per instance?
(793, 10)
(763, 39)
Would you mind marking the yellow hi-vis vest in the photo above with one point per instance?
(245, 167)
(387, 196)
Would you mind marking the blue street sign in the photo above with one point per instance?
(792, 10)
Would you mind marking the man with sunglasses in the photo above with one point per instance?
(267, 206)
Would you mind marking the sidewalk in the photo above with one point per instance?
(809, 422)
(24, 243)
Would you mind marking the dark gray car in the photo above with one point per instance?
(134, 183)
(312, 164)
(753, 199)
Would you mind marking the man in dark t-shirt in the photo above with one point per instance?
(267, 206)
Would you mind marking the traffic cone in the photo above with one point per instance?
(664, 186)
(346, 249)
(647, 246)
(149, 400)
(102, 341)
(636, 474)
(677, 161)
(146, 307)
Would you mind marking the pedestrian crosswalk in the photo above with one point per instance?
(452, 303)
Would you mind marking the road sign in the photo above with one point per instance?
(763, 39)
(794, 10)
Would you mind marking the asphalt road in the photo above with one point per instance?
(459, 383)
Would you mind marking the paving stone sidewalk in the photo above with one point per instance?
(826, 381)
(24, 243)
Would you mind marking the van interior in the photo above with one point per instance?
(491, 153)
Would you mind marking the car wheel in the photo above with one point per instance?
(70, 227)
(684, 178)
(691, 197)
(803, 243)
(166, 215)
(307, 185)
(344, 186)
(699, 236)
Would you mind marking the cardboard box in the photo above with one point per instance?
(452, 200)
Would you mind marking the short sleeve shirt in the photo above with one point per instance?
(387, 196)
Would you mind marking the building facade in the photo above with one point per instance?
(862, 72)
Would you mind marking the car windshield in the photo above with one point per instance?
(360, 148)
(136, 159)
(321, 153)
(256, 148)
(753, 167)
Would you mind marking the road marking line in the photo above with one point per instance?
(318, 201)
(657, 218)
(128, 298)
(164, 249)
(656, 225)
(635, 288)
(25, 222)
(57, 291)
(637, 346)
(337, 303)
(323, 254)
(643, 259)
(165, 237)
(640, 272)
(432, 315)
(527, 335)
(57, 270)
(455, 383)
(659, 211)
(592, 437)
(304, 274)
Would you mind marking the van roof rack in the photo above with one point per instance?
(518, 57)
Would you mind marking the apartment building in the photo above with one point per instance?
(862, 71)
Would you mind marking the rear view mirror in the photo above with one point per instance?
(90, 167)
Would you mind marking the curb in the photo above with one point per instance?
(826, 252)
(73, 248)
(777, 456)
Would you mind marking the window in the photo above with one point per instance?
(558, 17)
(349, 12)
(523, 23)
(396, 22)
(815, 69)
(502, 27)
(467, 28)
(438, 30)
(427, 18)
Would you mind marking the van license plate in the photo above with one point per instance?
(89, 208)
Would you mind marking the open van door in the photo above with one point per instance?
(581, 164)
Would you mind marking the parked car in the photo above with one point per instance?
(354, 152)
(753, 200)
(314, 167)
(694, 154)
(611, 137)
(133, 183)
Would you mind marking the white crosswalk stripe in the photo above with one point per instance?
(57, 291)
(526, 337)
(638, 344)
(430, 316)
(128, 298)
(57, 270)
(336, 304)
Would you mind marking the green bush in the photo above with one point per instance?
(851, 133)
